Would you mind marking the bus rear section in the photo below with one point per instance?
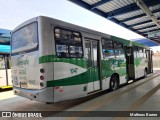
(27, 74)
(138, 62)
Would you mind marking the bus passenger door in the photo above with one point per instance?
(92, 53)
(130, 63)
(150, 62)
(136, 61)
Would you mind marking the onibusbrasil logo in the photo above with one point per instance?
(21, 114)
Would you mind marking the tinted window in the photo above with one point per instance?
(141, 53)
(95, 53)
(107, 48)
(88, 53)
(25, 38)
(119, 52)
(68, 43)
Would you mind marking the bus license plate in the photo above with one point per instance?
(23, 85)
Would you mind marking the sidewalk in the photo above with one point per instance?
(6, 95)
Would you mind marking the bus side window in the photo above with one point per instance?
(136, 53)
(140, 51)
(119, 52)
(107, 48)
(146, 53)
(68, 43)
(88, 53)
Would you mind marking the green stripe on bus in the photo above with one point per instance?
(75, 80)
(137, 61)
(111, 66)
(124, 41)
(53, 58)
(84, 78)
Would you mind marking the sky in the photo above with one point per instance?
(15, 12)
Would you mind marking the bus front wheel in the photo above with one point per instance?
(114, 84)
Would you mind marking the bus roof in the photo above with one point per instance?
(124, 41)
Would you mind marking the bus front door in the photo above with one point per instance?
(92, 55)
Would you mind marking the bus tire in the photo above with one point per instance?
(114, 84)
(48, 103)
(145, 73)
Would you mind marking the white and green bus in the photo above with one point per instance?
(55, 61)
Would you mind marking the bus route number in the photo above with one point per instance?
(73, 70)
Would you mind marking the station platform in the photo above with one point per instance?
(138, 99)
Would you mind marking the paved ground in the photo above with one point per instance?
(3, 77)
(142, 95)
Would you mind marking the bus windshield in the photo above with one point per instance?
(25, 38)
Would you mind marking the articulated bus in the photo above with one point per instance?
(55, 61)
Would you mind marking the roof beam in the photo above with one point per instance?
(154, 29)
(156, 40)
(97, 4)
(146, 27)
(139, 16)
(122, 10)
(140, 23)
(144, 35)
(134, 17)
(88, 7)
(146, 10)
(148, 31)
(130, 8)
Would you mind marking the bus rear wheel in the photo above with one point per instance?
(145, 73)
(114, 84)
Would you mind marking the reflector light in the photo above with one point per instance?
(42, 77)
(56, 87)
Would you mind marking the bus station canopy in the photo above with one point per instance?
(140, 16)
